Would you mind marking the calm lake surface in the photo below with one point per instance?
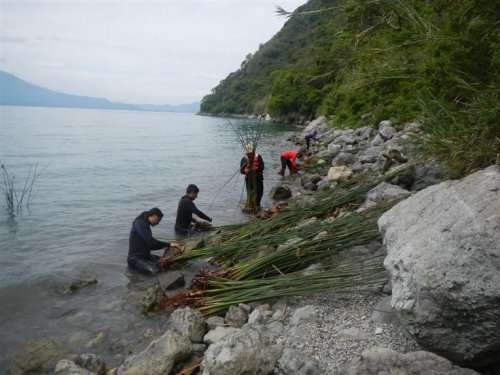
(100, 170)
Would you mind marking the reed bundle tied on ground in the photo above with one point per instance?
(267, 258)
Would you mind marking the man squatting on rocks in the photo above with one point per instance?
(185, 211)
(256, 165)
(141, 242)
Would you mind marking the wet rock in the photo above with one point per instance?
(90, 362)
(78, 284)
(37, 356)
(280, 192)
(171, 280)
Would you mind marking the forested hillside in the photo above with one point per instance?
(359, 62)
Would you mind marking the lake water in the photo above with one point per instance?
(103, 168)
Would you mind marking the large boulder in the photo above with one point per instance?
(377, 361)
(444, 261)
(159, 357)
(246, 351)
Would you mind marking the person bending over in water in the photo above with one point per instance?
(141, 242)
(185, 211)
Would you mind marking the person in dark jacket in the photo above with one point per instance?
(141, 242)
(185, 211)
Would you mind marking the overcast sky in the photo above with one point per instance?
(135, 51)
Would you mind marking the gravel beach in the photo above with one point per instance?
(342, 329)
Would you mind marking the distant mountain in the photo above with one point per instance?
(188, 108)
(16, 92)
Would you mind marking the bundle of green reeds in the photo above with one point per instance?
(220, 293)
(266, 258)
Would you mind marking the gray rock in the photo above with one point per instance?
(245, 351)
(90, 362)
(152, 298)
(385, 192)
(280, 192)
(218, 334)
(444, 261)
(386, 132)
(342, 159)
(339, 174)
(78, 284)
(67, 367)
(189, 322)
(236, 317)
(159, 357)
(293, 362)
(37, 356)
(302, 314)
(310, 178)
(171, 280)
(378, 361)
(370, 155)
(215, 321)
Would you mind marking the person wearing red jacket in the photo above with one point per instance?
(289, 159)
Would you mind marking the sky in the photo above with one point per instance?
(134, 51)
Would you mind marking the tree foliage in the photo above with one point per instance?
(376, 60)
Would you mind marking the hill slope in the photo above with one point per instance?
(383, 58)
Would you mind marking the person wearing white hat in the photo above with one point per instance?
(252, 166)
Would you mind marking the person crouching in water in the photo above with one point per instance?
(185, 211)
(289, 159)
(141, 242)
(252, 166)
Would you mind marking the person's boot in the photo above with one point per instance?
(282, 172)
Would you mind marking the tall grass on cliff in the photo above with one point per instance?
(463, 141)
(433, 62)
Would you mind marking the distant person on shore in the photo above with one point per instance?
(185, 210)
(289, 159)
(141, 242)
(311, 136)
(252, 166)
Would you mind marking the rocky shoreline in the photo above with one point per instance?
(351, 333)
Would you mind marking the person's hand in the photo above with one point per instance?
(164, 261)
(175, 245)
